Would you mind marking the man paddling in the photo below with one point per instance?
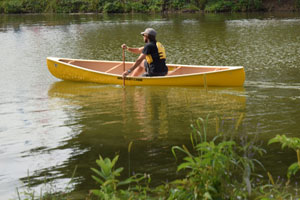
(152, 54)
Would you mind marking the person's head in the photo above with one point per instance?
(149, 35)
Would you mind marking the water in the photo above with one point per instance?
(48, 126)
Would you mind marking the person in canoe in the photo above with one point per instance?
(152, 54)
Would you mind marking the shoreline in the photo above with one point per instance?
(153, 13)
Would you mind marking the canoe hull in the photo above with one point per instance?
(234, 77)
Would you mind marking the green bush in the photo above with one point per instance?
(156, 5)
(202, 4)
(255, 5)
(177, 4)
(119, 6)
(138, 7)
(51, 6)
(190, 8)
(241, 5)
(95, 6)
(114, 7)
(219, 6)
(13, 6)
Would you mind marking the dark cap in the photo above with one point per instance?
(149, 31)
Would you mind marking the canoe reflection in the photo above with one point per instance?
(150, 108)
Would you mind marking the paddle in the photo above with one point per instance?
(124, 66)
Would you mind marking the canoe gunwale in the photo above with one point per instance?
(226, 69)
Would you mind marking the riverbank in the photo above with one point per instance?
(139, 6)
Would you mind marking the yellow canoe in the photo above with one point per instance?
(109, 72)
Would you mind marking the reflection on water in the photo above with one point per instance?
(48, 126)
(154, 118)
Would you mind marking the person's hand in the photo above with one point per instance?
(125, 74)
(124, 46)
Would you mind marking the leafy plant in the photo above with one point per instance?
(219, 6)
(113, 7)
(107, 177)
(214, 167)
(293, 143)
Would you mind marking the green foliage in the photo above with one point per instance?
(201, 4)
(107, 178)
(156, 5)
(138, 7)
(113, 7)
(71, 6)
(13, 6)
(213, 170)
(297, 4)
(120, 6)
(177, 4)
(293, 143)
(190, 8)
(219, 6)
(233, 5)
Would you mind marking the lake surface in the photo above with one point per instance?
(49, 126)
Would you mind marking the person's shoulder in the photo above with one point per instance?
(149, 44)
(149, 47)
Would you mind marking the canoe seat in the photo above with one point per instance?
(114, 69)
(173, 71)
(71, 61)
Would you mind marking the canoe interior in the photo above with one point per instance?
(117, 67)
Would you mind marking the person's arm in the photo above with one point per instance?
(133, 50)
(140, 59)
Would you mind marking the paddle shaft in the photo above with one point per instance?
(124, 66)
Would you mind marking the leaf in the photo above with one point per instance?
(129, 147)
(211, 188)
(110, 181)
(207, 195)
(292, 170)
(126, 182)
(259, 163)
(97, 193)
(178, 148)
(184, 166)
(293, 143)
(105, 167)
(271, 178)
(239, 121)
(98, 173)
(97, 180)
(187, 151)
(274, 140)
(265, 187)
(114, 161)
(118, 171)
